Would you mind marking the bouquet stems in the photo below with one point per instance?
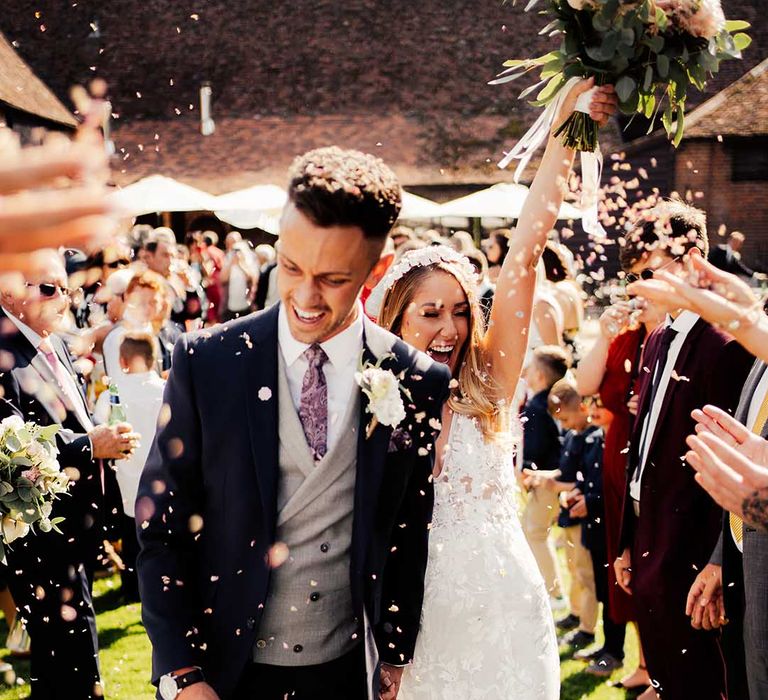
(578, 132)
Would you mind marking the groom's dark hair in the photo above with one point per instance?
(336, 187)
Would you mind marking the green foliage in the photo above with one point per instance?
(647, 55)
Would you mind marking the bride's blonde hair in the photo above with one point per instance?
(474, 394)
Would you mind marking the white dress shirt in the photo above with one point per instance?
(343, 350)
(683, 324)
(71, 390)
(141, 395)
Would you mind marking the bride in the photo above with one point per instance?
(487, 629)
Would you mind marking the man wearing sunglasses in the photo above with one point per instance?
(669, 526)
(52, 573)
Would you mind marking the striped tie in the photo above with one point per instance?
(737, 524)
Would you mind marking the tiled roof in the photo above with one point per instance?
(299, 58)
(21, 89)
(244, 152)
(739, 110)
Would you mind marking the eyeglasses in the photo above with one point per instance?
(117, 263)
(648, 273)
(49, 289)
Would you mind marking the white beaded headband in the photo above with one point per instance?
(420, 257)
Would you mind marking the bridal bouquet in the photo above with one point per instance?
(652, 51)
(30, 479)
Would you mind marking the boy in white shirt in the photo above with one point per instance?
(140, 390)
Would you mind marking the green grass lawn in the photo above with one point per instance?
(125, 656)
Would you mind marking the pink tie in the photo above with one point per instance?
(64, 379)
(67, 384)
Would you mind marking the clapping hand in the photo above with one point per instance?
(55, 194)
(731, 464)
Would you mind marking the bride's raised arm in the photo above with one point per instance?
(507, 337)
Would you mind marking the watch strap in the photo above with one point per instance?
(189, 678)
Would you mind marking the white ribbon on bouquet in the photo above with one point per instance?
(591, 163)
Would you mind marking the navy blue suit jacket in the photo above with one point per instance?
(207, 504)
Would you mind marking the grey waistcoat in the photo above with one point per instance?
(308, 617)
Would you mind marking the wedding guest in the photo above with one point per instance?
(567, 292)
(486, 289)
(578, 452)
(143, 303)
(541, 450)
(53, 572)
(401, 235)
(140, 393)
(160, 254)
(609, 657)
(718, 297)
(462, 242)
(731, 586)
(727, 256)
(232, 238)
(265, 255)
(548, 320)
(240, 276)
(732, 465)
(266, 288)
(495, 248)
(612, 369)
(686, 364)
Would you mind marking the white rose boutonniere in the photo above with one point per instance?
(384, 393)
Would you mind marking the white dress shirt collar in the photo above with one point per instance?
(684, 323)
(339, 349)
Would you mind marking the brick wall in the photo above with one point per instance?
(704, 169)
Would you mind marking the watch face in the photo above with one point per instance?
(168, 688)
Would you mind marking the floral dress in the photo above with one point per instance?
(487, 629)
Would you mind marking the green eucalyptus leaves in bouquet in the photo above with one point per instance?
(652, 51)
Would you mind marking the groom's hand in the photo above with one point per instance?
(390, 681)
(198, 691)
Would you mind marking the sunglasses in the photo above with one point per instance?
(49, 289)
(117, 263)
(648, 273)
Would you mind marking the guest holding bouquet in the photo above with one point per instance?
(53, 572)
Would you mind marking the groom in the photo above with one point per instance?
(283, 527)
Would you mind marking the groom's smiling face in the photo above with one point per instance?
(320, 273)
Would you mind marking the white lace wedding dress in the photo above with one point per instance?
(487, 630)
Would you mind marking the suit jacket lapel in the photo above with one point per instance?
(750, 387)
(371, 451)
(682, 358)
(66, 359)
(81, 412)
(261, 371)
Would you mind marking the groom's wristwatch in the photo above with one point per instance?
(170, 686)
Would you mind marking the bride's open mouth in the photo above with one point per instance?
(441, 353)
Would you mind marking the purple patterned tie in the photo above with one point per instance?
(313, 406)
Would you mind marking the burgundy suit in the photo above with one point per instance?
(679, 524)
